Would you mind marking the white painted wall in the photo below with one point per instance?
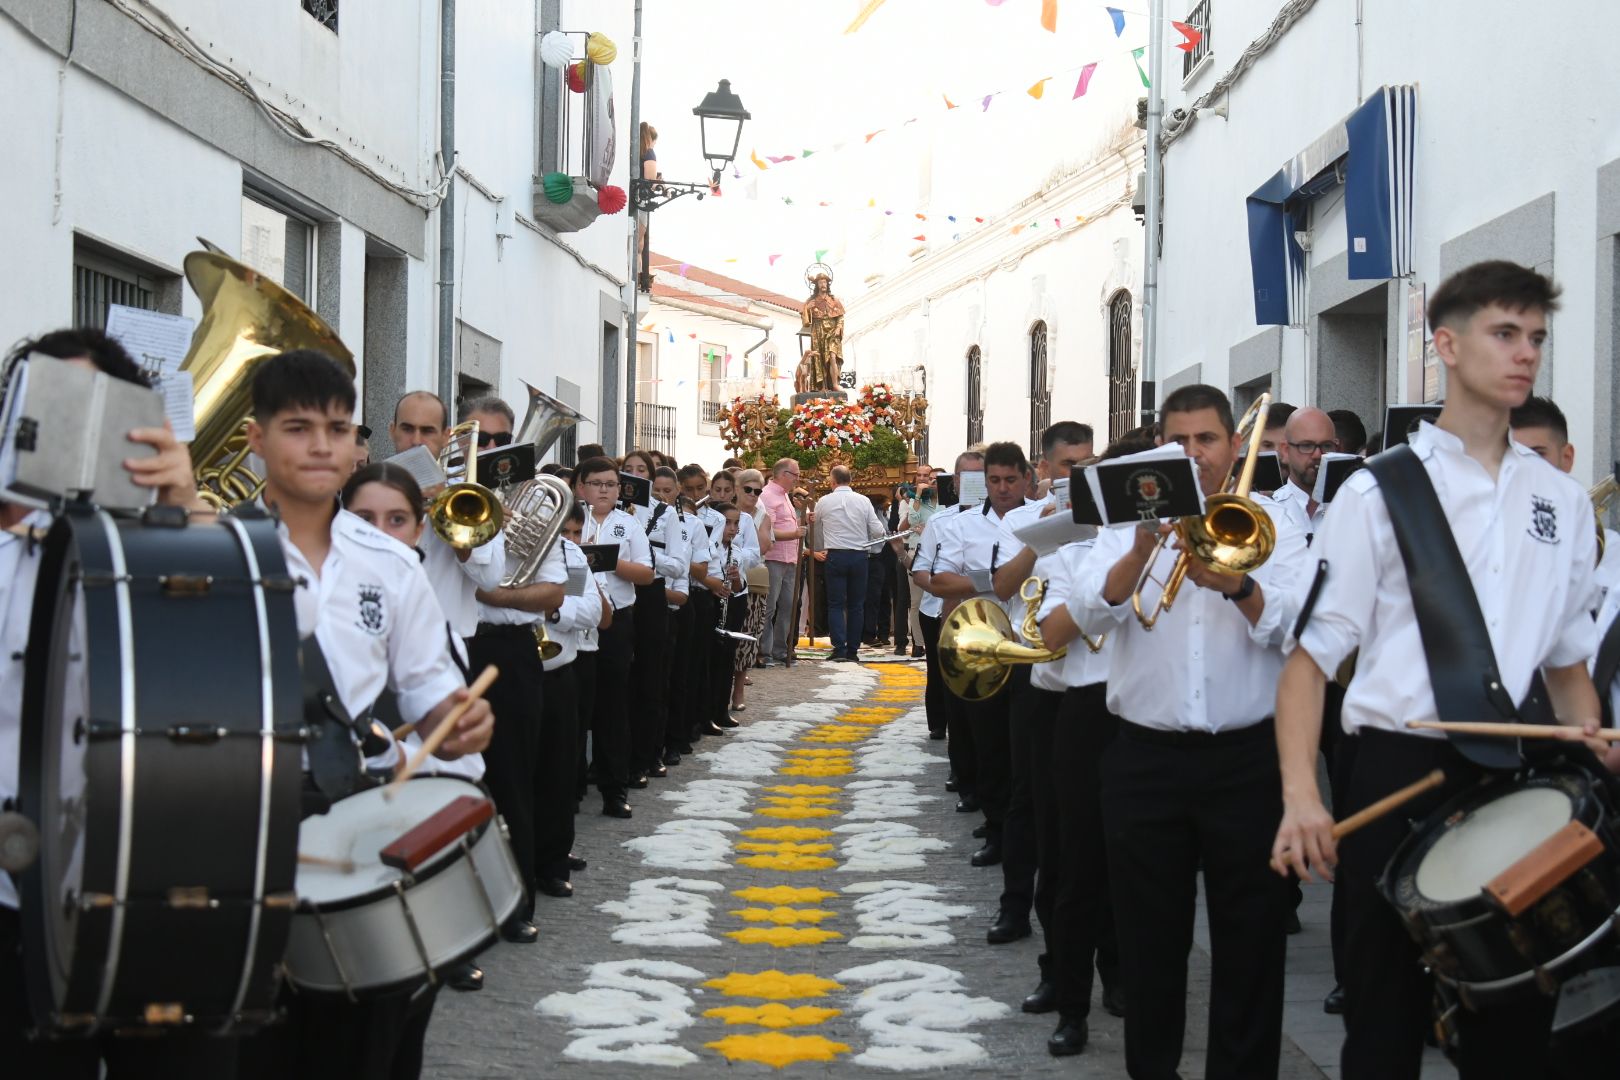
(1487, 144)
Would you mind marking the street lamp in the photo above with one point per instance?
(721, 115)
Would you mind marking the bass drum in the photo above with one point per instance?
(162, 723)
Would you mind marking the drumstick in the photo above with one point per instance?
(432, 743)
(345, 865)
(1371, 813)
(1521, 731)
(403, 730)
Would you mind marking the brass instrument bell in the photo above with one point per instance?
(977, 648)
(465, 514)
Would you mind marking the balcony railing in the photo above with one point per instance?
(655, 427)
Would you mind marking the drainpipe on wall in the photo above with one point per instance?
(1152, 196)
(447, 215)
(632, 334)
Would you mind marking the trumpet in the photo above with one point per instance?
(1234, 535)
(1602, 494)
(465, 514)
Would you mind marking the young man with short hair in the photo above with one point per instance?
(1540, 425)
(1525, 547)
(945, 716)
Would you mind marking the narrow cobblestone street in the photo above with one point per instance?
(798, 893)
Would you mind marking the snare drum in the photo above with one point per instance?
(1492, 935)
(162, 723)
(365, 925)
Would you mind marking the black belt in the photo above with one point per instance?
(495, 630)
(1230, 737)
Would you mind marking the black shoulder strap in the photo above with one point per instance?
(1462, 662)
(1606, 668)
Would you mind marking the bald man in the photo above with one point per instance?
(420, 419)
(1308, 435)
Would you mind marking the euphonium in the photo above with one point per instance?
(246, 319)
(1602, 494)
(977, 648)
(535, 512)
(1234, 535)
(466, 514)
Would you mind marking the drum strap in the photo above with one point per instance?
(1456, 643)
(334, 758)
(1606, 668)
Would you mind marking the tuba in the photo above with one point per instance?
(536, 511)
(546, 420)
(1234, 536)
(246, 319)
(466, 514)
(977, 648)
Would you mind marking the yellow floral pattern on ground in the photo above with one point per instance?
(773, 1014)
(773, 985)
(783, 937)
(775, 1049)
(783, 916)
(782, 894)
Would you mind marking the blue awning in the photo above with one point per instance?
(1371, 152)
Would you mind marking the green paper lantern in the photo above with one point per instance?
(559, 187)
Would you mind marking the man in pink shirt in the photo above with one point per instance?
(782, 560)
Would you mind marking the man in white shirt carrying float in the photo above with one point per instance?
(849, 531)
(1192, 776)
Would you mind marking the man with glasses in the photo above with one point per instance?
(1309, 434)
(782, 560)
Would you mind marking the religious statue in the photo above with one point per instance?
(823, 319)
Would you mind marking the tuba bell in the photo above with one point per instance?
(977, 648)
(466, 514)
(546, 420)
(247, 318)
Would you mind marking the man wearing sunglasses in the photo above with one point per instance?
(1309, 434)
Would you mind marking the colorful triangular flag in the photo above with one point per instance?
(773, 258)
(874, 134)
(821, 253)
(1119, 20)
(1049, 15)
(920, 237)
(753, 155)
(1085, 80)
(1136, 54)
(1191, 33)
(1039, 89)
(949, 104)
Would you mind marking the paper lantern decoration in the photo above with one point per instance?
(611, 199)
(555, 50)
(600, 49)
(559, 187)
(576, 77)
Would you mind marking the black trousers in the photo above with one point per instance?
(329, 1037)
(1388, 995)
(517, 698)
(610, 723)
(992, 750)
(185, 1057)
(555, 786)
(648, 718)
(900, 586)
(1169, 800)
(678, 725)
(1030, 713)
(722, 652)
(584, 666)
(934, 687)
(1072, 895)
(705, 611)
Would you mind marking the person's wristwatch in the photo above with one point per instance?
(1244, 591)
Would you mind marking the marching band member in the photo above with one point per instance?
(1540, 425)
(1192, 776)
(363, 597)
(421, 419)
(1525, 546)
(1309, 435)
(704, 604)
(729, 560)
(528, 736)
(169, 471)
(945, 717)
(675, 739)
(596, 481)
(647, 721)
(967, 561)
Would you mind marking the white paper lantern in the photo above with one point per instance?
(555, 50)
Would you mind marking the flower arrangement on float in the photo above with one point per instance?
(829, 424)
(877, 401)
(749, 421)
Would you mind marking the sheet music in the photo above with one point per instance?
(158, 342)
(178, 401)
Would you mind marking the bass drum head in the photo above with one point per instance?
(1472, 852)
(356, 829)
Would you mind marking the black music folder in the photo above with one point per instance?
(1082, 506)
(504, 466)
(1335, 470)
(1401, 420)
(602, 558)
(945, 489)
(1141, 488)
(1267, 471)
(634, 490)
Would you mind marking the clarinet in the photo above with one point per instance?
(725, 601)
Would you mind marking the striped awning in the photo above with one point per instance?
(1371, 153)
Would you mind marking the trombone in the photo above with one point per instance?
(1234, 535)
(465, 514)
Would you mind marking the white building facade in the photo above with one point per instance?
(1316, 192)
(302, 137)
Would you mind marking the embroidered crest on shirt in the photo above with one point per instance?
(1543, 520)
(371, 609)
(618, 531)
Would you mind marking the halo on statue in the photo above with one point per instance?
(815, 270)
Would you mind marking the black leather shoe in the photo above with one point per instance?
(1070, 1037)
(1043, 1000)
(936, 735)
(950, 782)
(967, 804)
(711, 729)
(728, 722)
(1114, 1000)
(1293, 926)
(657, 771)
(638, 781)
(682, 748)
(616, 808)
(575, 863)
(981, 832)
(465, 976)
(1333, 1004)
(520, 932)
(990, 855)
(917, 652)
(672, 756)
(1007, 927)
(557, 887)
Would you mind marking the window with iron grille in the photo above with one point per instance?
(655, 427)
(975, 397)
(324, 12)
(103, 276)
(711, 381)
(1040, 393)
(1198, 18)
(1121, 370)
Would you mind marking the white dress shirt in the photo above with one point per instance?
(1203, 667)
(1081, 667)
(1526, 538)
(667, 539)
(619, 528)
(455, 582)
(973, 544)
(19, 570)
(551, 572)
(1295, 503)
(848, 522)
(577, 615)
(687, 527)
(934, 535)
